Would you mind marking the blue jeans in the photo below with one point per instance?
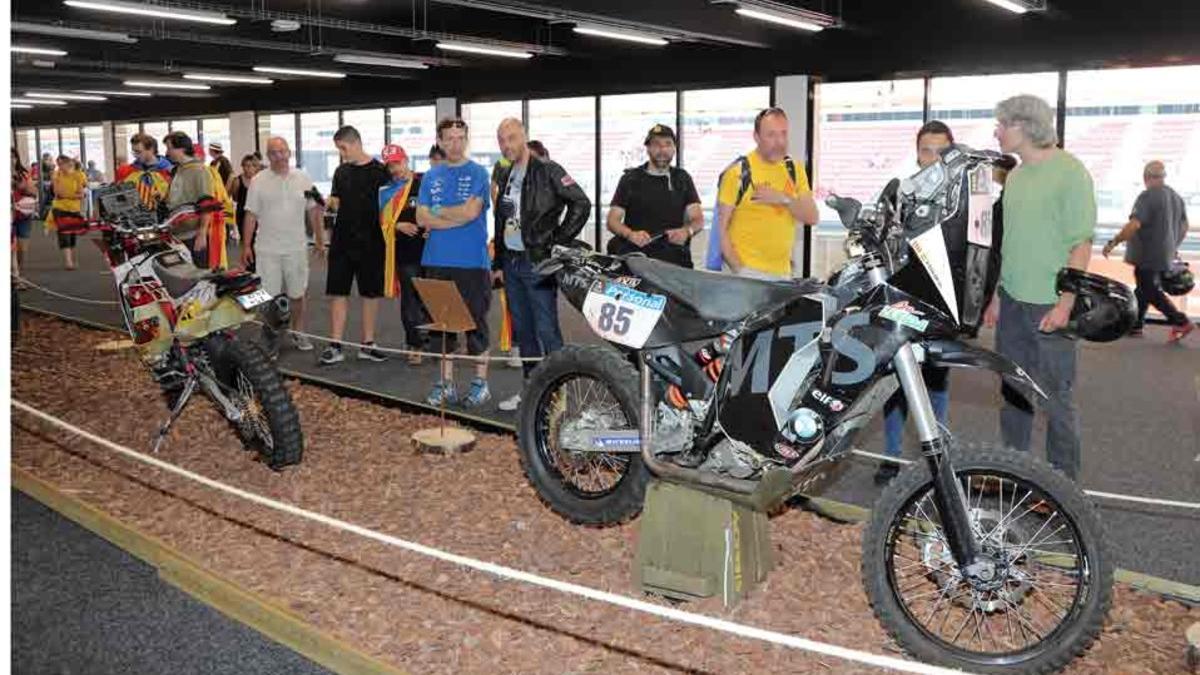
(1050, 359)
(896, 409)
(533, 303)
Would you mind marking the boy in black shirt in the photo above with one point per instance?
(357, 250)
(656, 209)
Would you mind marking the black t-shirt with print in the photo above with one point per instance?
(655, 204)
(357, 188)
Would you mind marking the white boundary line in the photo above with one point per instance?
(1090, 493)
(671, 613)
(466, 357)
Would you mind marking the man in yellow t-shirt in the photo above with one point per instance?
(757, 226)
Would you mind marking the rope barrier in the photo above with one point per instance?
(466, 357)
(508, 573)
(1090, 493)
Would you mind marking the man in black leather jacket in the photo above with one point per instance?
(532, 196)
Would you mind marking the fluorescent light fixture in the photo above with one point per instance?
(37, 50)
(38, 101)
(615, 34)
(487, 51)
(65, 97)
(166, 85)
(1014, 7)
(102, 92)
(78, 33)
(364, 60)
(780, 19)
(239, 79)
(19, 105)
(302, 72)
(155, 11)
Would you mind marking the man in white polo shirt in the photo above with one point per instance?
(276, 206)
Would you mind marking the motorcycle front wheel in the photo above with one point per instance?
(575, 392)
(1053, 574)
(269, 424)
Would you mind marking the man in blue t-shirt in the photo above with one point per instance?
(453, 206)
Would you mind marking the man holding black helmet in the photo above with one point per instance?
(656, 209)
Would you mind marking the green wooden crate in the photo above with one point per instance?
(693, 545)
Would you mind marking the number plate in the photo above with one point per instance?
(622, 314)
(252, 300)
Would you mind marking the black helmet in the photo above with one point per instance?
(1178, 280)
(1105, 310)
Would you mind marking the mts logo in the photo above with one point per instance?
(757, 361)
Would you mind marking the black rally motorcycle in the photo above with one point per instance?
(980, 557)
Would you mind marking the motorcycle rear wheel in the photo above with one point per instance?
(1052, 588)
(586, 488)
(270, 424)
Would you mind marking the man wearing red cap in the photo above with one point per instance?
(404, 243)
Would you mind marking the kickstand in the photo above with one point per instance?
(189, 387)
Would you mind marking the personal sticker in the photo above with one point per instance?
(622, 314)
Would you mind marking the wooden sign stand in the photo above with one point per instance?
(450, 315)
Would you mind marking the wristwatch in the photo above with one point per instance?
(435, 209)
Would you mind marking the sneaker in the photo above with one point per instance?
(443, 393)
(510, 404)
(887, 471)
(414, 359)
(331, 355)
(514, 358)
(370, 353)
(1180, 332)
(478, 394)
(301, 342)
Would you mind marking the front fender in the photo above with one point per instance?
(955, 354)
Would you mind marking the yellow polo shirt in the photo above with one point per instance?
(763, 234)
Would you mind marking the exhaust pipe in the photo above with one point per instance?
(775, 485)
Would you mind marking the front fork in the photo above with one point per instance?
(948, 493)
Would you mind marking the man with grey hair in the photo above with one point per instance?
(277, 203)
(538, 205)
(1049, 220)
(1155, 229)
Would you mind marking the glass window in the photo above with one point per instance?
(48, 141)
(189, 127)
(567, 127)
(865, 135)
(718, 127)
(968, 104)
(482, 121)
(71, 142)
(624, 121)
(93, 149)
(1117, 120)
(370, 126)
(318, 155)
(414, 128)
(277, 124)
(122, 132)
(158, 130)
(27, 147)
(216, 130)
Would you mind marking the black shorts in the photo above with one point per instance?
(346, 265)
(475, 287)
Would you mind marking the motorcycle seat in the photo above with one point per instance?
(181, 277)
(715, 296)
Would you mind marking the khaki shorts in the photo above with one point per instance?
(283, 272)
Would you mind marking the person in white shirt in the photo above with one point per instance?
(276, 205)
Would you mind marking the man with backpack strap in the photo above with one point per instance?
(761, 199)
(196, 183)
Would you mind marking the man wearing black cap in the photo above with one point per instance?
(656, 209)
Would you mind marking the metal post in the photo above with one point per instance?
(596, 201)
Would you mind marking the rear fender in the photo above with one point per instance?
(955, 354)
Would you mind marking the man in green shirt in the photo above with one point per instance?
(1049, 219)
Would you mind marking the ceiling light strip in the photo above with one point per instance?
(155, 11)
